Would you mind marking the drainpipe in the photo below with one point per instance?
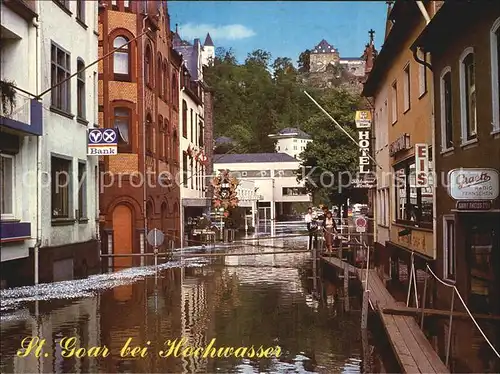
(38, 243)
(145, 196)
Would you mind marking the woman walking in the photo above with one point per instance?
(330, 229)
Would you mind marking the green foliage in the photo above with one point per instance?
(304, 61)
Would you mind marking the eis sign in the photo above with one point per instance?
(363, 125)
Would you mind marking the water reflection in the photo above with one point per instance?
(263, 300)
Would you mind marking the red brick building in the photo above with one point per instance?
(138, 96)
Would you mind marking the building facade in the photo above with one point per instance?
(399, 87)
(291, 141)
(139, 97)
(56, 214)
(466, 70)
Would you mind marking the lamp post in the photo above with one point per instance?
(221, 212)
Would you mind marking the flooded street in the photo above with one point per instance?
(240, 301)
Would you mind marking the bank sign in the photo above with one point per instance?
(102, 142)
(363, 121)
(473, 184)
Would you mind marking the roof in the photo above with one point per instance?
(208, 41)
(323, 47)
(245, 158)
(290, 132)
(407, 15)
(177, 41)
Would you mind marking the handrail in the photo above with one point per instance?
(466, 308)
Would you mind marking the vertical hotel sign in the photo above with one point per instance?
(421, 165)
(363, 125)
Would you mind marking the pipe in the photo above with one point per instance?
(38, 243)
(421, 6)
(145, 196)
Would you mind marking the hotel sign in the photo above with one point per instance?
(363, 121)
(473, 184)
(400, 144)
(421, 165)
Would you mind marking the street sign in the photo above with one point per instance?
(102, 142)
(155, 238)
(360, 224)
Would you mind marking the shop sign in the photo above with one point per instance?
(474, 205)
(363, 124)
(473, 184)
(400, 144)
(421, 165)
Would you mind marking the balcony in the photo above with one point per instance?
(25, 117)
(25, 8)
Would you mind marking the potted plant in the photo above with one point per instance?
(8, 96)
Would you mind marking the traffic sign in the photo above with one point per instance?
(360, 224)
(102, 142)
(155, 238)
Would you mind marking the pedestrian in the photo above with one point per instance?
(312, 227)
(330, 229)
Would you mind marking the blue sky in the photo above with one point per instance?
(283, 28)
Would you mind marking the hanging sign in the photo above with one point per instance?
(473, 184)
(102, 142)
(363, 121)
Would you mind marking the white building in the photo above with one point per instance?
(275, 178)
(57, 220)
(291, 141)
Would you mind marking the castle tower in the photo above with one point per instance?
(208, 50)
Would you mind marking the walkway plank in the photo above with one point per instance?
(412, 349)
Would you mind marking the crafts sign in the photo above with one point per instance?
(102, 142)
(473, 184)
(363, 124)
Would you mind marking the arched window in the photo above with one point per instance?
(122, 122)
(148, 68)
(80, 90)
(159, 76)
(121, 59)
(468, 104)
(149, 134)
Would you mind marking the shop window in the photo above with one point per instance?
(7, 178)
(446, 110)
(449, 258)
(60, 187)
(413, 205)
(121, 59)
(468, 96)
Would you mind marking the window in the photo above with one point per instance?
(60, 187)
(121, 59)
(80, 90)
(126, 3)
(184, 119)
(161, 137)
(422, 74)
(191, 124)
(60, 65)
(82, 190)
(449, 260)
(407, 95)
(165, 83)
(201, 140)
(159, 78)
(184, 169)
(63, 3)
(413, 205)
(80, 10)
(149, 134)
(175, 143)
(148, 69)
(495, 73)
(175, 92)
(7, 175)
(122, 123)
(114, 4)
(394, 102)
(468, 96)
(446, 111)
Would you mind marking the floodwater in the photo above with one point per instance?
(240, 301)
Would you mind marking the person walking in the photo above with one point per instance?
(330, 229)
(312, 227)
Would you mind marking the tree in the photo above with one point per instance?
(304, 61)
(258, 57)
(330, 160)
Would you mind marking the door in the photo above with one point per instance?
(122, 235)
(482, 240)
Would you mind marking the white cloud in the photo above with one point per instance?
(191, 31)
